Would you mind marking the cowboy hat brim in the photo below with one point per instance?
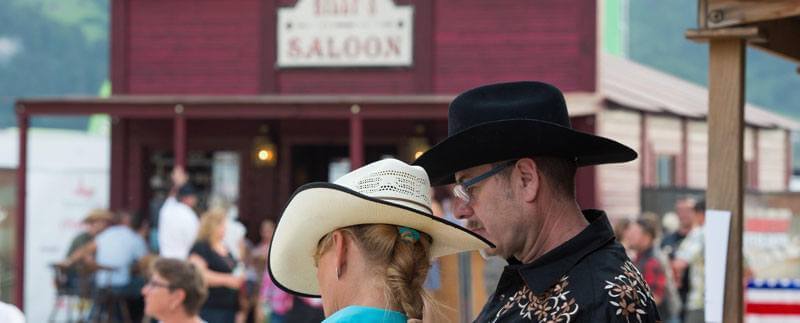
(517, 138)
(317, 209)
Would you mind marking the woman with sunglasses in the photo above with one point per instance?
(175, 292)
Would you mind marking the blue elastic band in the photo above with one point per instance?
(408, 234)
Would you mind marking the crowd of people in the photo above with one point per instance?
(203, 262)
(365, 242)
(671, 258)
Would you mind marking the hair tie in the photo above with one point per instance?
(408, 234)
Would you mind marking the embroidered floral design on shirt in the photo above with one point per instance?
(551, 306)
(631, 294)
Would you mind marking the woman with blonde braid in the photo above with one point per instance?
(364, 243)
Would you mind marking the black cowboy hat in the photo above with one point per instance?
(513, 120)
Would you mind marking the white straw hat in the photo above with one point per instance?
(387, 192)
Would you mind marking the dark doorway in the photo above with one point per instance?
(312, 163)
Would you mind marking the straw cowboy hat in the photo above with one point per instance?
(97, 215)
(387, 191)
(505, 121)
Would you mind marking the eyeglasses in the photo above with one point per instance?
(155, 284)
(461, 190)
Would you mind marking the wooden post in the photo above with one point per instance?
(356, 138)
(120, 134)
(725, 152)
(22, 169)
(179, 137)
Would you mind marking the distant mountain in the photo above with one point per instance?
(656, 38)
(50, 48)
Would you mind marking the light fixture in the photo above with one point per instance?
(418, 144)
(265, 153)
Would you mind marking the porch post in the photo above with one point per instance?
(179, 137)
(356, 137)
(725, 144)
(22, 167)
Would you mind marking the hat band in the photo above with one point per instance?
(405, 200)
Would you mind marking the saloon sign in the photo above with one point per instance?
(342, 33)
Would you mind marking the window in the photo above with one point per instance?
(665, 170)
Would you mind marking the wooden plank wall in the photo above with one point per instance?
(772, 160)
(664, 135)
(697, 154)
(227, 47)
(619, 184)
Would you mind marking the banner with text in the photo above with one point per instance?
(345, 33)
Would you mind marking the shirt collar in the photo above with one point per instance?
(355, 313)
(545, 271)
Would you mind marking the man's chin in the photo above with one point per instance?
(490, 252)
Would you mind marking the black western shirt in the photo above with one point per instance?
(589, 278)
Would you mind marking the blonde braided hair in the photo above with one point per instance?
(403, 262)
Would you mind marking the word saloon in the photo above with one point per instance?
(345, 33)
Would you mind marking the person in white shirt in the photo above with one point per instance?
(177, 221)
(117, 250)
(10, 314)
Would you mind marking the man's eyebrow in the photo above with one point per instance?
(460, 178)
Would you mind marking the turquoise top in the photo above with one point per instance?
(353, 314)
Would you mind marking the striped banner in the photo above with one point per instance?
(774, 300)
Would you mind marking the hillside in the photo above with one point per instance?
(51, 47)
(656, 39)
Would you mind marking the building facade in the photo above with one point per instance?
(256, 97)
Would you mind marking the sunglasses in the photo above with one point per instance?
(462, 189)
(154, 284)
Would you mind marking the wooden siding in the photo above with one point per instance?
(619, 185)
(193, 46)
(227, 47)
(664, 135)
(772, 160)
(586, 177)
(480, 41)
(749, 144)
(697, 154)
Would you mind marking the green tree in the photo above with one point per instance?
(44, 52)
(656, 38)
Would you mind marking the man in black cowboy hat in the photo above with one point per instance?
(513, 155)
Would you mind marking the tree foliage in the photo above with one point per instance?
(656, 38)
(51, 48)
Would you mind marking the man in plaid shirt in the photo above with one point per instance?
(643, 234)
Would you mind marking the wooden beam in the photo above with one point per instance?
(726, 13)
(120, 136)
(783, 38)
(702, 13)
(725, 143)
(179, 137)
(748, 33)
(356, 138)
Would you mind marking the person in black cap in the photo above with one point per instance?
(513, 155)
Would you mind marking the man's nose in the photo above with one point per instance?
(462, 209)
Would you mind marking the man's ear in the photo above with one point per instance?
(340, 251)
(180, 297)
(529, 180)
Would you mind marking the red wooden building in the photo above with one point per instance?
(195, 77)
